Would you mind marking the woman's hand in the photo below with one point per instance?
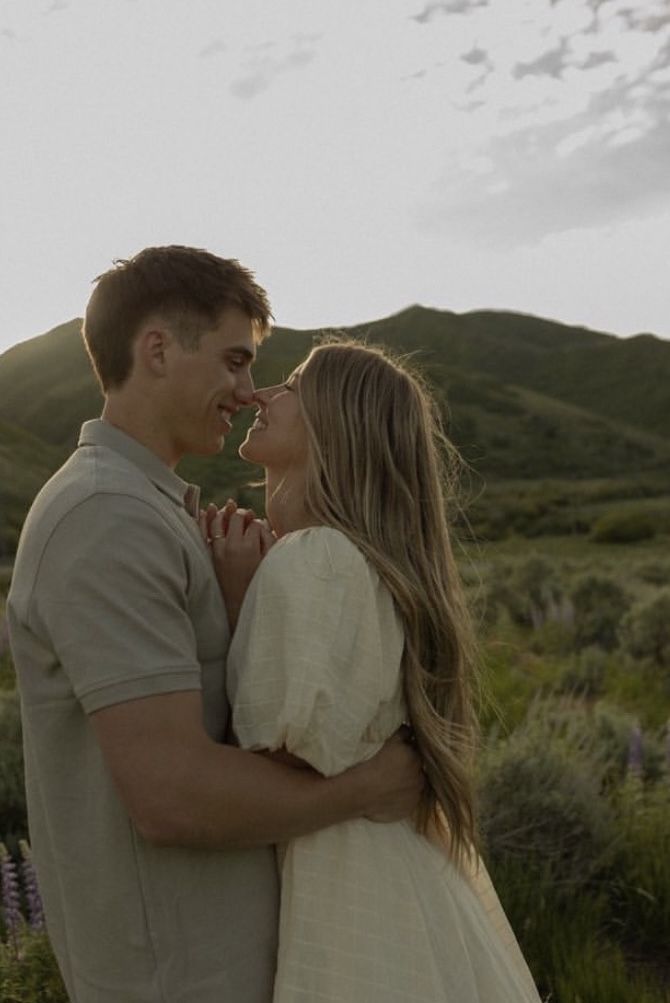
(238, 542)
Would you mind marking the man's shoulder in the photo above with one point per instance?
(87, 474)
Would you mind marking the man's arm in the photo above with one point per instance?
(180, 788)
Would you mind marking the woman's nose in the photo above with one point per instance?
(265, 394)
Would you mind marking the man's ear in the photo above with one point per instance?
(151, 349)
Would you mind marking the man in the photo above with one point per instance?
(152, 838)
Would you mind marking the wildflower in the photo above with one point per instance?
(10, 896)
(33, 897)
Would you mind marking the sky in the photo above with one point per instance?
(359, 155)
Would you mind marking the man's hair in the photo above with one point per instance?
(381, 470)
(186, 286)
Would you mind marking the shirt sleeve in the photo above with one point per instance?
(316, 654)
(111, 600)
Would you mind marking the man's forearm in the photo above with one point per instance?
(221, 796)
(181, 788)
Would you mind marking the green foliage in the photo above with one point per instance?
(28, 969)
(31, 974)
(641, 866)
(599, 604)
(645, 631)
(624, 526)
(13, 820)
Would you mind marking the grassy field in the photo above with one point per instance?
(574, 770)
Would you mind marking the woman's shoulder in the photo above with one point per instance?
(322, 551)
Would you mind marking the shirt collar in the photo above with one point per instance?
(100, 433)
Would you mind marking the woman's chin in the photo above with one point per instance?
(248, 452)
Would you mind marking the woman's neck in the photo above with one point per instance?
(285, 503)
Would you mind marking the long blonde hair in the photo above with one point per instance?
(381, 470)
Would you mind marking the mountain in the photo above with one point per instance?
(525, 399)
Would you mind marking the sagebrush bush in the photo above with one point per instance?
(625, 526)
(532, 593)
(599, 605)
(585, 673)
(645, 630)
(654, 572)
(540, 803)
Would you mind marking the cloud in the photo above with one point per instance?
(595, 59)
(475, 56)
(611, 166)
(57, 5)
(8, 33)
(551, 63)
(264, 71)
(213, 48)
(577, 134)
(446, 7)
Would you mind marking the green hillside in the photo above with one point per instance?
(47, 386)
(26, 462)
(528, 401)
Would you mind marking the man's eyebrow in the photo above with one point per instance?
(241, 350)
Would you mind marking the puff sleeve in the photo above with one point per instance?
(314, 666)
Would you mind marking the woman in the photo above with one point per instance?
(355, 622)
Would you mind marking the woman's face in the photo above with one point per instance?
(278, 438)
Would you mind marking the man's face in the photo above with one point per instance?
(207, 386)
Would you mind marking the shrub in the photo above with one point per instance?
(624, 526)
(533, 593)
(654, 573)
(541, 804)
(585, 673)
(645, 630)
(599, 604)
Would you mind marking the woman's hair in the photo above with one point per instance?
(184, 285)
(381, 470)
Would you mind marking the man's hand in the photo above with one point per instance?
(396, 780)
(238, 542)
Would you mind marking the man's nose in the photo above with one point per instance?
(244, 391)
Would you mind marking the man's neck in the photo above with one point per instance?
(131, 415)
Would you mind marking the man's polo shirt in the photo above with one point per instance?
(114, 598)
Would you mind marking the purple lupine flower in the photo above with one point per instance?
(635, 752)
(9, 885)
(33, 897)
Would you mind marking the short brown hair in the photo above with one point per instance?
(189, 286)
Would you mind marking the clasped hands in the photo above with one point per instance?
(238, 542)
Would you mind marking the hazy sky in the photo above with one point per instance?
(360, 155)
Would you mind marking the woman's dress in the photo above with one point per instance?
(370, 912)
